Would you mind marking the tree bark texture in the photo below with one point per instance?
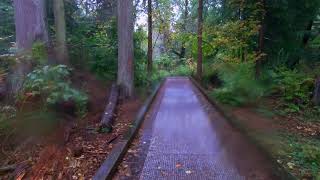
(30, 23)
(200, 28)
(125, 48)
(61, 50)
(30, 26)
(306, 37)
(261, 42)
(150, 46)
(17, 75)
(186, 12)
(106, 121)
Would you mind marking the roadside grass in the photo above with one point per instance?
(298, 154)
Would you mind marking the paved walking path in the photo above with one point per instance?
(188, 139)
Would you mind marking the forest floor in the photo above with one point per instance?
(293, 142)
(71, 147)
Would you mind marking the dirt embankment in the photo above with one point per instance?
(75, 149)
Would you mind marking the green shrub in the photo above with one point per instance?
(140, 74)
(103, 50)
(306, 155)
(7, 114)
(183, 70)
(294, 87)
(53, 84)
(39, 53)
(165, 62)
(95, 48)
(160, 74)
(239, 85)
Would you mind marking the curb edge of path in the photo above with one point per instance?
(279, 170)
(108, 167)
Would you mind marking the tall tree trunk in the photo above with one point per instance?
(30, 23)
(150, 47)
(30, 26)
(306, 36)
(200, 28)
(61, 49)
(261, 42)
(183, 47)
(125, 49)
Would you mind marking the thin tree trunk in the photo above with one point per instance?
(183, 47)
(200, 28)
(306, 37)
(150, 47)
(125, 49)
(260, 52)
(261, 43)
(60, 26)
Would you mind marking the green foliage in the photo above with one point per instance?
(287, 23)
(305, 154)
(95, 47)
(163, 66)
(7, 25)
(140, 68)
(39, 52)
(140, 74)
(183, 70)
(165, 62)
(7, 113)
(26, 122)
(239, 85)
(53, 84)
(294, 87)
(103, 51)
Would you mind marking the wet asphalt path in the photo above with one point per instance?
(188, 139)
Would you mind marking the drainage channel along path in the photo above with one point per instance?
(184, 137)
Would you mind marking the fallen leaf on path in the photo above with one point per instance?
(178, 165)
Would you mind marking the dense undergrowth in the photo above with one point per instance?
(53, 86)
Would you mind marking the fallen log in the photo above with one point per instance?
(106, 121)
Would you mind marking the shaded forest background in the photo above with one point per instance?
(254, 53)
